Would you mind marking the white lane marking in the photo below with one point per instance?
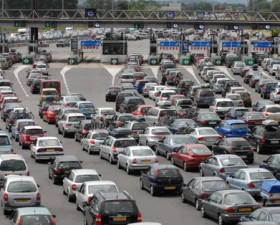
(191, 71)
(63, 72)
(224, 69)
(113, 70)
(16, 72)
(155, 70)
(270, 77)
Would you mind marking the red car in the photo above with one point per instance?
(190, 156)
(29, 135)
(7, 99)
(50, 114)
(141, 110)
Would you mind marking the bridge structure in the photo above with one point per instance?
(126, 18)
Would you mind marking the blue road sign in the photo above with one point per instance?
(200, 44)
(169, 44)
(185, 47)
(90, 43)
(262, 44)
(229, 44)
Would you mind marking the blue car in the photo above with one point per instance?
(85, 107)
(139, 85)
(232, 128)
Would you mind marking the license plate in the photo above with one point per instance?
(50, 150)
(22, 200)
(67, 171)
(119, 218)
(212, 122)
(274, 142)
(244, 209)
(33, 138)
(87, 110)
(146, 161)
(243, 156)
(170, 188)
(258, 122)
(277, 201)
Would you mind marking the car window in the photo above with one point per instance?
(103, 188)
(168, 173)
(34, 131)
(238, 198)
(49, 142)
(261, 175)
(263, 216)
(232, 162)
(214, 185)
(238, 126)
(69, 164)
(12, 165)
(242, 176)
(206, 132)
(4, 140)
(100, 136)
(142, 152)
(124, 143)
(76, 118)
(85, 178)
(115, 207)
(21, 186)
(35, 219)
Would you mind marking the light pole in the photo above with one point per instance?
(62, 5)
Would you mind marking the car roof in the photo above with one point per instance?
(32, 127)
(139, 148)
(250, 170)
(19, 178)
(211, 178)
(234, 121)
(227, 156)
(33, 211)
(75, 114)
(66, 158)
(99, 182)
(47, 138)
(11, 156)
(223, 99)
(84, 171)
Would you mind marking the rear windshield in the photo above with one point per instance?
(232, 162)
(225, 104)
(70, 164)
(234, 97)
(261, 175)
(160, 131)
(168, 113)
(210, 116)
(207, 132)
(116, 207)
(271, 85)
(206, 94)
(108, 112)
(238, 198)
(54, 92)
(85, 178)
(34, 131)
(116, 89)
(72, 98)
(168, 173)
(136, 101)
(214, 185)
(240, 112)
(76, 118)
(183, 140)
(169, 65)
(12, 165)
(22, 187)
(142, 152)
(4, 140)
(273, 109)
(200, 151)
(238, 126)
(103, 188)
(86, 105)
(238, 144)
(126, 118)
(100, 136)
(272, 130)
(49, 142)
(139, 126)
(256, 116)
(71, 111)
(127, 77)
(33, 219)
(125, 143)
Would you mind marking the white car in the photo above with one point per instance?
(43, 68)
(155, 91)
(273, 69)
(93, 139)
(275, 95)
(236, 99)
(45, 148)
(221, 106)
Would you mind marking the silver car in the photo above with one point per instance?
(221, 165)
(136, 158)
(93, 139)
(206, 135)
(237, 67)
(19, 191)
(67, 125)
(236, 99)
(88, 188)
(76, 178)
(221, 106)
(219, 85)
(6, 146)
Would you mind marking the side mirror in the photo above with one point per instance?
(265, 161)
(99, 175)
(81, 161)
(38, 185)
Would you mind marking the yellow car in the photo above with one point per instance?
(47, 92)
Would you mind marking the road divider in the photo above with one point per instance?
(16, 72)
(113, 70)
(190, 70)
(63, 72)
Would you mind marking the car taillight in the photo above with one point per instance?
(133, 161)
(139, 217)
(157, 160)
(41, 150)
(74, 187)
(203, 122)
(119, 124)
(252, 149)
(98, 220)
(265, 113)
(92, 141)
(219, 138)
(201, 139)
(222, 170)
(229, 210)
(84, 131)
(114, 149)
(250, 185)
(52, 220)
(18, 221)
(230, 150)
(145, 90)
(88, 200)
(160, 98)
(263, 140)
(241, 102)
(68, 124)
(28, 173)
(203, 195)
(57, 171)
(38, 197)
(6, 197)
(250, 122)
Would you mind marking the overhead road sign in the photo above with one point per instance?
(262, 46)
(200, 45)
(90, 44)
(231, 45)
(169, 45)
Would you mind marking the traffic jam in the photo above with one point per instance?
(215, 127)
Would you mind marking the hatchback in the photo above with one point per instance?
(232, 128)
(204, 97)
(93, 139)
(29, 135)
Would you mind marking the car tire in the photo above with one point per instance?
(202, 212)
(22, 146)
(196, 203)
(183, 200)
(152, 191)
(63, 191)
(88, 151)
(64, 133)
(263, 202)
(168, 156)
(141, 185)
(221, 220)
(185, 166)
(172, 161)
(77, 207)
(58, 131)
(75, 137)
(251, 161)
(54, 181)
(156, 150)
(111, 159)
(85, 219)
(69, 197)
(5, 212)
(259, 149)
(128, 171)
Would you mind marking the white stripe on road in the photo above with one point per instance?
(63, 72)
(224, 69)
(16, 72)
(155, 70)
(191, 71)
(113, 70)
(266, 74)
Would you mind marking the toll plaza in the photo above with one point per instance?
(202, 47)
(114, 51)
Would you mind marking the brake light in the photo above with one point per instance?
(241, 102)
(157, 160)
(203, 122)
(28, 173)
(38, 197)
(219, 138)
(252, 149)
(119, 123)
(265, 113)
(230, 150)
(74, 187)
(201, 139)
(67, 104)
(68, 125)
(139, 217)
(57, 171)
(114, 149)
(88, 200)
(261, 85)
(52, 220)
(92, 141)
(145, 90)
(160, 98)
(250, 185)
(41, 150)
(6, 197)
(263, 140)
(156, 173)
(134, 161)
(98, 220)
(84, 131)
(203, 195)
(222, 170)
(229, 210)
(250, 122)
(18, 221)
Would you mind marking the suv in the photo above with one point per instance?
(69, 122)
(111, 208)
(120, 97)
(265, 138)
(6, 146)
(12, 164)
(155, 115)
(204, 97)
(130, 103)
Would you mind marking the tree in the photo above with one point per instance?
(275, 5)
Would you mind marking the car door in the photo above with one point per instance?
(92, 211)
(61, 122)
(122, 157)
(273, 165)
(143, 137)
(232, 180)
(188, 190)
(218, 148)
(251, 137)
(208, 204)
(147, 177)
(67, 182)
(85, 141)
(80, 193)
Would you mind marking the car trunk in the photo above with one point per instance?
(230, 170)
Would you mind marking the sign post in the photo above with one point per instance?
(74, 45)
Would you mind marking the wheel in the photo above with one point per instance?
(201, 172)
(141, 185)
(58, 131)
(75, 137)
(54, 180)
(183, 198)
(5, 212)
(128, 171)
(168, 156)
(185, 167)
(197, 205)
(172, 161)
(100, 154)
(156, 150)
(118, 164)
(251, 161)
(69, 197)
(85, 219)
(264, 202)
(152, 191)
(22, 146)
(64, 133)
(111, 159)
(89, 152)
(259, 149)
(220, 220)
(63, 191)
(202, 212)
(77, 207)
(106, 99)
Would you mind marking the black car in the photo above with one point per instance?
(181, 124)
(235, 113)
(170, 143)
(260, 104)
(237, 146)
(62, 43)
(61, 166)
(228, 84)
(83, 127)
(272, 163)
(120, 97)
(162, 178)
(200, 188)
(129, 104)
(111, 93)
(265, 138)
(208, 119)
(111, 208)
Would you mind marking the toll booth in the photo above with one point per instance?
(114, 51)
(168, 46)
(200, 47)
(260, 46)
(93, 47)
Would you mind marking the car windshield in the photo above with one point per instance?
(161, 131)
(206, 94)
(21, 187)
(232, 162)
(76, 118)
(168, 173)
(225, 104)
(256, 116)
(49, 142)
(139, 126)
(108, 112)
(126, 118)
(34, 131)
(102, 187)
(182, 140)
(12, 165)
(200, 151)
(87, 177)
(214, 185)
(127, 77)
(238, 144)
(100, 136)
(210, 116)
(273, 109)
(168, 113)
(125, 143)
(234, 97)
(54, 92)
(238, 126)
(142, 152)
(41, 66)
(239, 198)
(4, 140)
(69, 164)
(207, 132)
(86, 105)
(136, 102)
(35, 219)
(116, 207)
(261, 175)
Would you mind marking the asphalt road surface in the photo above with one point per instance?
(92, 81)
